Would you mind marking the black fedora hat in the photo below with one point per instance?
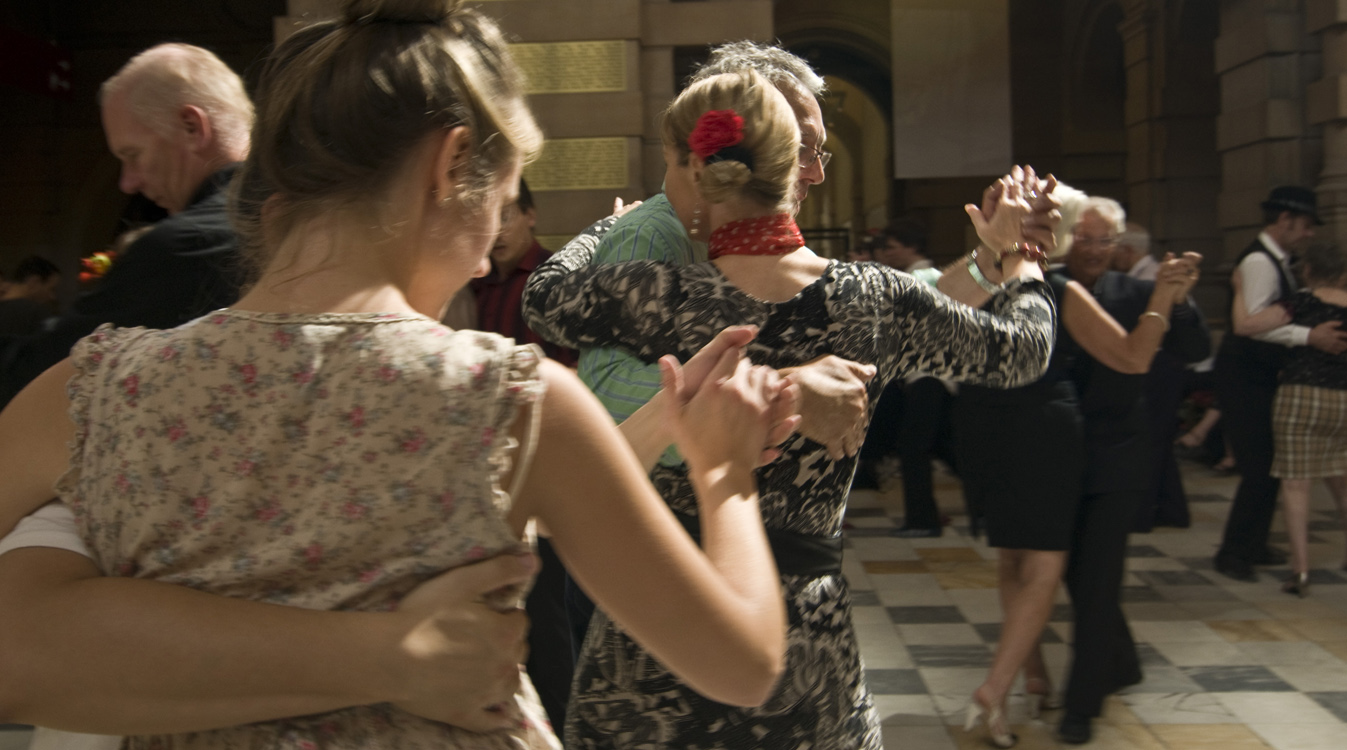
(1293, 198)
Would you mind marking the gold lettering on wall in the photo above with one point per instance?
(572, 67)
(580, 164)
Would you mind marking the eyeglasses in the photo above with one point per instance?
(811, 154)
(1100, 242)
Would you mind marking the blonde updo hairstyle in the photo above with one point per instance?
(771, 136)
(343, 104)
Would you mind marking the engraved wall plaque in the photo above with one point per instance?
(580, 164)
(553, 242)
(572, 67)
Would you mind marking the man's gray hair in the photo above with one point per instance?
(1074, 205)
(783, 69)
(161, 80)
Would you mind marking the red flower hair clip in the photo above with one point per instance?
(716, 129)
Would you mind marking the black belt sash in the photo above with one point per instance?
(795, 554)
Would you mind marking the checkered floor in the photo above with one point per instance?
(1228, 665)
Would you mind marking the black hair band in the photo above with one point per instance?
(733, 153)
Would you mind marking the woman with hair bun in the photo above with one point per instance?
(731, 151)
(326, 444)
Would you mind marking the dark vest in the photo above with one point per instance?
(1258, 361)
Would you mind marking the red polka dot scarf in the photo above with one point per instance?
(764, 235)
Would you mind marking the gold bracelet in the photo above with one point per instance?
(1163, 320)
(977, 275)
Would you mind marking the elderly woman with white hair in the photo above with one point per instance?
(1077, 488)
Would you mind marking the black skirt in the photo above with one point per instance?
(1021, 456)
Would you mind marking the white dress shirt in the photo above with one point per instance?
(1146, 268)
(1262, 287)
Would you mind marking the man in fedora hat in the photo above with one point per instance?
(1246, 377)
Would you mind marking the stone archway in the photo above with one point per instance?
(1094, 134)
(858, 111)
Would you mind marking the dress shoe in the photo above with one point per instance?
(1075, 729)
(1039, 697)
(1233, 567)
(1270, 556)
(998, 734)
(915, 532)
(1298, 584)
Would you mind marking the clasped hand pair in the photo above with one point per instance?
(1018, 209)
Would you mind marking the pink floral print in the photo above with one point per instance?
(329, 462)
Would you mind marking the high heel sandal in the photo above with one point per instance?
(1298, 584)
(997, 733)
(1043, 699)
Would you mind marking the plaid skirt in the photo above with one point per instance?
(1309, 427)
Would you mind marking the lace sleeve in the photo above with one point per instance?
(576, 254)
(628, 305)
(1004, 348)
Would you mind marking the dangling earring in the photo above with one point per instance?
(696, 221)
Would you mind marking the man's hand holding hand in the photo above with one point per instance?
(833, 402)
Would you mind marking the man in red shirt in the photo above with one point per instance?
(516, 253)
(513, 257)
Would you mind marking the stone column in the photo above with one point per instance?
(1327, 106)
(1140, 111)
(1265, 61)
(1173, 169)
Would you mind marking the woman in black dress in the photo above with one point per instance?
(1031, 499)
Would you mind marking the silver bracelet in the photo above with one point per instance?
(978, 278)
(1163, 320)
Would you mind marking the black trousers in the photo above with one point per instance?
(1103, 654)
(1246, 415)
(1167, 504)
(551, 662)
(914, 418)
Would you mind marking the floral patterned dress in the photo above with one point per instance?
(320, 461)
(622, 697)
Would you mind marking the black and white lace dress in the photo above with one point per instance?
(622, 696)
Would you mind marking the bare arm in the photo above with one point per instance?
(1108, 342)
(650, 430)
(129, 656)
(716, 619)
(1016, 208)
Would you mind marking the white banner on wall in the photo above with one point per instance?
(951, 88)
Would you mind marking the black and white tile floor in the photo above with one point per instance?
(1228, 665)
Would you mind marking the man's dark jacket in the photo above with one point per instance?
(183, 268)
